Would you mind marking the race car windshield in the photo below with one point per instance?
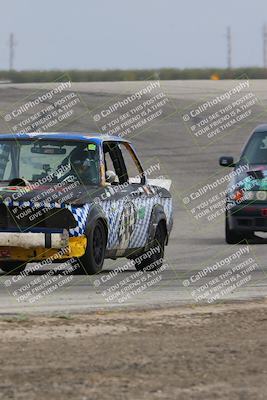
(256, 150)
(49, 161)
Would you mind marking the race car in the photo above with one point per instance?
(86, 197)
(246, 200)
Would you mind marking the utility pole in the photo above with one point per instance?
(229, 47)
(264, 36)
(11, 45)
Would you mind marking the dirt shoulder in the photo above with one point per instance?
(204, 352)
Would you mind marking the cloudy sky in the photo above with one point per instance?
(88, 34)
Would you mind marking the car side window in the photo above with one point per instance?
(108, 162)
(5, 162)
(132, 167)
(112, 160)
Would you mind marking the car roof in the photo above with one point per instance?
(95, 137)
(261, 128)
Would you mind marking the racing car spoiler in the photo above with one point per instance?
(163, 183)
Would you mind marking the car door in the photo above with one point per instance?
(125, 205)
(139, 199)
(113, 203)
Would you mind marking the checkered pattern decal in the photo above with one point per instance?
(140, 233)
(113, 210)
(36, 204)
(80, 214)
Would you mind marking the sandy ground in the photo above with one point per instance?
(204, 352)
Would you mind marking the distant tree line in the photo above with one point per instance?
(132, 75)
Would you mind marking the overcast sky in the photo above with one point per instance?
(88, 34)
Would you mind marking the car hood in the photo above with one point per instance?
(49, 195)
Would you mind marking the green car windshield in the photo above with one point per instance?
(256, 149)
(49, 161)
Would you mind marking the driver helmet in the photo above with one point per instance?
(80, 161)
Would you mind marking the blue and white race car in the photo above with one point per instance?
(78, 196)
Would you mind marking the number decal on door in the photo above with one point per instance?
(127, 224)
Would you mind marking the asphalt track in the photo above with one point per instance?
(193, 245)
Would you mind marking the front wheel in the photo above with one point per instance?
(13, 267)
(93, 259)
(152, 258)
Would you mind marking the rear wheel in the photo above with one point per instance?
(12, 267)
(152, 258)
(93, 259)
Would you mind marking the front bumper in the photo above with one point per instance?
(32, 252)
(34, 239)
(248, 218)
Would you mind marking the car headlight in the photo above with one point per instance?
(261, 195)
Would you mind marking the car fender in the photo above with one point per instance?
(157, 215)
(95, 213)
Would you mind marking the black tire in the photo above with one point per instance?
(232, 236)
(93, 259)
(13, 267)
(155, 261)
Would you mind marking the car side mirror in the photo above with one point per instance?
(226, 161)
(111, 177)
